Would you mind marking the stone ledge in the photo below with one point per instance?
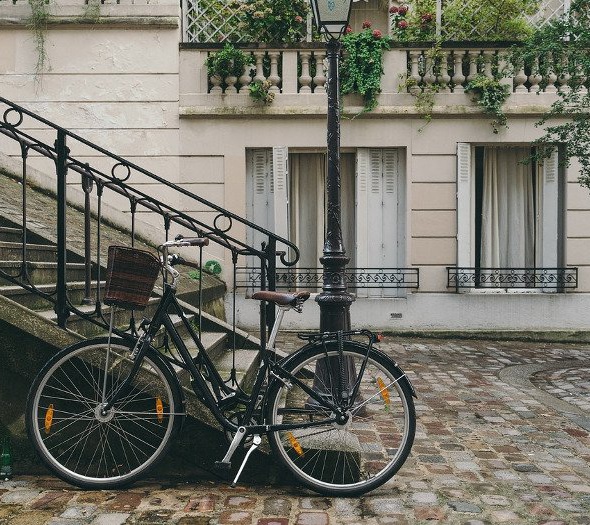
(536, 336)
(167, 16)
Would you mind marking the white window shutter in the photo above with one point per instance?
(550, 212)
(377, 213)
(362, 176)
(465, 216)
(362, 227)
(280, 163)
(390, 198)
(260, 209)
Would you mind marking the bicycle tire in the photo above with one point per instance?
(365, 452)
(95, 451)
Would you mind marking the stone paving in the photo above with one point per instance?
(487, 451)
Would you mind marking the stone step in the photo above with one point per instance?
(212, 350)
(13, 251)
(42, 272)
(10, 234)
(76, 294)
(246, 362)
(88, 329)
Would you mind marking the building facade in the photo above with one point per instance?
(446, 228)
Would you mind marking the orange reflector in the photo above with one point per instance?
(48, 419)
(159, 410)
(295, 444)
(383, 391)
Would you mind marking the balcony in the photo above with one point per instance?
(359, 280)
(547, 279)
(297, 76)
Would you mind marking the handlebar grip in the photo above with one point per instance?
(191, 241)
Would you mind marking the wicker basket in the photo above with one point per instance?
(131, 275)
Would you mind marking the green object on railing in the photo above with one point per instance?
(213, 267)
(6, 460)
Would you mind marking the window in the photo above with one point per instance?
(509, 215)
(286, 195)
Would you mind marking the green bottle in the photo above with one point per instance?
(5, 460)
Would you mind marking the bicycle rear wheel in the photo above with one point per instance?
(94, 450)
(360, 454)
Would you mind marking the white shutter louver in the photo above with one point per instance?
(550, 214)
(280, 163)
(464, 200)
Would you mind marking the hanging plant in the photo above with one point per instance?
(362, 64)
(424, 92)
(37, 22)
(490, 95)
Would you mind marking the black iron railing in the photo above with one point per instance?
(313, 278)
(106, 179)
(559, 279)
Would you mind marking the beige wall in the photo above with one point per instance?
(114, 83)
(124, 85)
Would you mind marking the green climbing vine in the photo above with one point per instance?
(362, 64)
(490, 94)
(37, 22)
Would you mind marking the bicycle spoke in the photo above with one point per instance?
(97, 449)
(355, 455)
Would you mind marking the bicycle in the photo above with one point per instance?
(338, 413)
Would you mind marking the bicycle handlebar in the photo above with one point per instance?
(180, 240)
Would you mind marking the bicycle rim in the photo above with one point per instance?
(361, 454)
(91, 449)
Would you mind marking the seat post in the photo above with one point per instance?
(276, 326)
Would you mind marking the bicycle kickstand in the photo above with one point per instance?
(256, 440)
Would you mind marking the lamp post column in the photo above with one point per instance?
(334, 301)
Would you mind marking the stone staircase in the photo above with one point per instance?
(28, 329)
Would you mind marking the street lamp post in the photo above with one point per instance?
(331, 18)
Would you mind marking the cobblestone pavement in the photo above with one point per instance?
(489, 449)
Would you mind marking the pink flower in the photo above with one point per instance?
(402, 9)
(402, 24)
(366, 24)
(377, 33)
(299, 19)
(348, 30)
(393, 9)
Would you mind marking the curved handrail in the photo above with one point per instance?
(12, 129)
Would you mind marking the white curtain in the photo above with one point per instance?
(307, 172)
(508, 221)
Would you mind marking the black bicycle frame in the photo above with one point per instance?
(161, 318)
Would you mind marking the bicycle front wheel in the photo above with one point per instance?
(78, 441)
(361, 453)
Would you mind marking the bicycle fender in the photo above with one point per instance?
(404, 379)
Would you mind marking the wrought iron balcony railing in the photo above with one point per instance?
(559, 279)
(313, 278)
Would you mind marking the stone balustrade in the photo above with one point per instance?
(447, 70)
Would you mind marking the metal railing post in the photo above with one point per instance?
(87, 188)
(61, 308)
(271, 252)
